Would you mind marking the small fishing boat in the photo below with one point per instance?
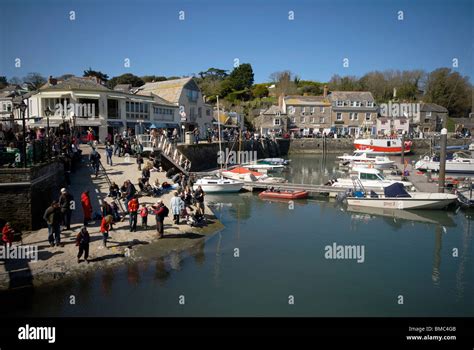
(283, 194)
(366, 158)
(264, 168)
(383, 146)
(460, 163)
(396, 197)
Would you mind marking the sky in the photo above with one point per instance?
(214, 33)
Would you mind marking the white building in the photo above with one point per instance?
(85, 102)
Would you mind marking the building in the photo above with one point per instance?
(353, 112)
(464, 126)
(187, 96)
(387, 126)
(86, 102)
(272, 120)
(431, 118)
(6, 106)
(308, 114)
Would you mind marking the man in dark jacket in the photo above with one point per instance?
(65, 204)
(82, 241)
(161, 211)
(52, 216)
(129, 193)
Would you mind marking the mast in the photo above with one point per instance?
(219, 130)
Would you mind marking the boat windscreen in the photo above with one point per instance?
(396, 190)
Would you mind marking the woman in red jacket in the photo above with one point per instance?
(86, 207)
(105, 227)
(7, 234)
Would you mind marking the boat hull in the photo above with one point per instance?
(432, 201)
(219, 186)
(382, 146)
(451, 166)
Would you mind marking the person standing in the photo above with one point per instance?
(86, 207)
(177, 205)
(65, 204)
(82, 241)
(109, 153)
(8, 234)
(144, 215)
(161, 211)
(199, 197)
(105, 228)
(52, 216)
(133, 211)
(196, 135)
(130, 192)
(116, 143)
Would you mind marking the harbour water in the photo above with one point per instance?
(270, 260)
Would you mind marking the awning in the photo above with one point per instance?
(115, 123)
(88, 122)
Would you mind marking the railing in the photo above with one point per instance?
(167, 148)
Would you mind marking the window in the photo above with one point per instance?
(136, 110)
(427, 120)
(293, 120)
(302, 110)
(339, 116)
(354, 116)
(302, 120)
(312, 120)
(367, 116)
(321, 120)
(340, 103)
(192, 95)
(355, 104)
(428, 114)
(370, 104)
(208, 112)
(199, 112)
(276, 121)
(312, 110)
(321, 109)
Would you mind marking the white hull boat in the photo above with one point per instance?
(458, 164)
(220, 185)
(264, 168)
(366, 159)
(395, 197)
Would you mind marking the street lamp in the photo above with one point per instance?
(22, 107)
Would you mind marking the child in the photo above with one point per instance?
(144, 215)
(82, 241)
(105, 227)
(7, 234)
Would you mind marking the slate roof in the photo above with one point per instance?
(432, 107)
(351, 96)
(273, 110)
(170, 90)
(75, 83)
(305, 100)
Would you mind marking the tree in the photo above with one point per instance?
(15, 81)
(34, 81)
(93, 73)
(214, 73)
(3, 82)
(65, 76)
(241, 77)
(284, 82)
(450, 90)
(260, 90)
(126, 78)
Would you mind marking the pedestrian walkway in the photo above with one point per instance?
(57, 262)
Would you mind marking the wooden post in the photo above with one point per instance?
(442, 160)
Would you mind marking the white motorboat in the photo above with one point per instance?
(370, 178)
(460, 163)
(216, 184)
(366, 158)
(396, 197)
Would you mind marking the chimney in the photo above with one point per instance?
(325, 91)
(280, 101)
(52, 81)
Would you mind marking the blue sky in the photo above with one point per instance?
(215, 32)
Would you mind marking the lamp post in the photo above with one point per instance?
(22, 107)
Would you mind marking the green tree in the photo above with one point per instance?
(153, 78)
(93, 73)
(260, 90)
(3, 82)
(241, 77)
(450, 90)
(126, 78)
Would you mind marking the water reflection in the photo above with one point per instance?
(133, 274)
(435, 275)
(107, 280)
(162, 274)
(464, 256)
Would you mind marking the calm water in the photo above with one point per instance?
(282, 253)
